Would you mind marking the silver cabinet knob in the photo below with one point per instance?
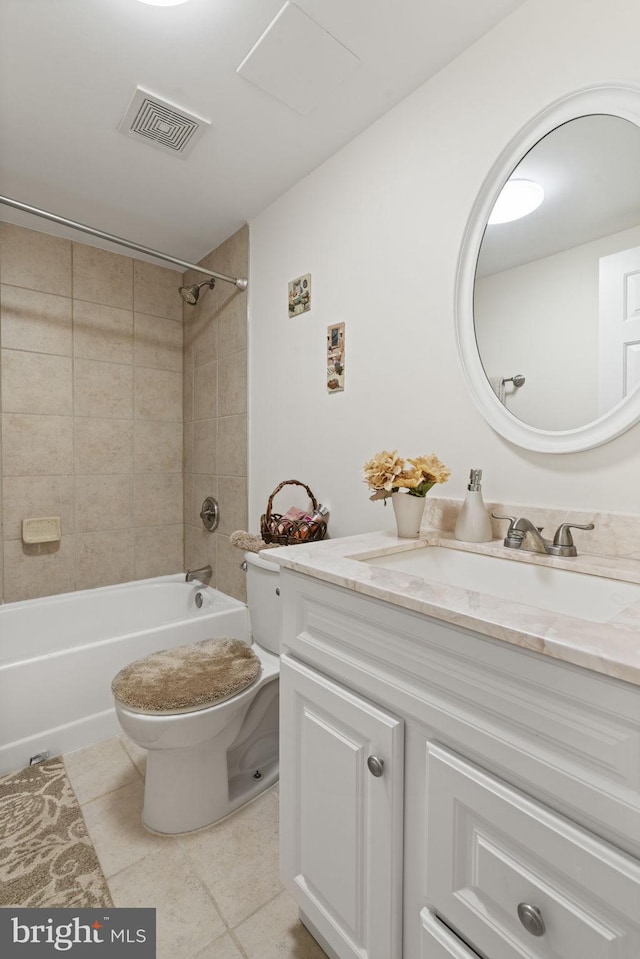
(531, 919)
(376, 766)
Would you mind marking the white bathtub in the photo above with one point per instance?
(59, 654)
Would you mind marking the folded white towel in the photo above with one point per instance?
(497, 385)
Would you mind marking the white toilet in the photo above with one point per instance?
(204, 762)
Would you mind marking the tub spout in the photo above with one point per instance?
(205, 572)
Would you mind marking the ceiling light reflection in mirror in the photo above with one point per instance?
(517, 198)
(557, 294)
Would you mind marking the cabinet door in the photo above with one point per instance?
(341, 824)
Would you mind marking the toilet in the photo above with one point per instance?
(204, 761)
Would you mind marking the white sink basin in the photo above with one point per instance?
(594, 598)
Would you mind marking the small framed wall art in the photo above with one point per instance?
(300, 295)
(335, 358)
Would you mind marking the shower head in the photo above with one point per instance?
(190, 294)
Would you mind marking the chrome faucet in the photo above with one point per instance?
(562, 544)
(205, 572)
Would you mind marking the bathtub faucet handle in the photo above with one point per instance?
(205, 572)
(210, 514)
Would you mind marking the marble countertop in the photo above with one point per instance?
(612, 648)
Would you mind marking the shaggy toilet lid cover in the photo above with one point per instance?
(188, 677)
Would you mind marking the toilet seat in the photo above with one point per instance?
(187, 678)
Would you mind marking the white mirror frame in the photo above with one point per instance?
(616, 100)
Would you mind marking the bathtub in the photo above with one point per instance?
(59, 654)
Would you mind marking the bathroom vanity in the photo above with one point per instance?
(460, 768)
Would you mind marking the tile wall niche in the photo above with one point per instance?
(92, 391)
(215, 415)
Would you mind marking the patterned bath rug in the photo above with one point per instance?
(46, 856)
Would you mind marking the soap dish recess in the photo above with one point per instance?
(41, 529)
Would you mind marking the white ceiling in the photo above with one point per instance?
(69, 68)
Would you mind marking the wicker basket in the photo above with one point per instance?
(275, 529)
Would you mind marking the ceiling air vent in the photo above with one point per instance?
(162, 124)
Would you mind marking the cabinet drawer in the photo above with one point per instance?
(438, 942)
(493, 853)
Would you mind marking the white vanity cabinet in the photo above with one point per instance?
(521, 809)
(341, 808)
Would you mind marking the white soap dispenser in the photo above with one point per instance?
(473, 524)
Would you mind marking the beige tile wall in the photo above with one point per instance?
(215, 414)
(92, 392)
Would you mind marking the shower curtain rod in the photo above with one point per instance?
(240, 282)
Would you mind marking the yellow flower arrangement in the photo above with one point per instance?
(386, 473)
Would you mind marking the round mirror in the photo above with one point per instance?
(548, 298)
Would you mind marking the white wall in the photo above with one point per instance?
(379, 227)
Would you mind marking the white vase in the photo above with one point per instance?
(408, 511)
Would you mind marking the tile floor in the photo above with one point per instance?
(217, 892)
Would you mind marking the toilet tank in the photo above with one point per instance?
(265, 614)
